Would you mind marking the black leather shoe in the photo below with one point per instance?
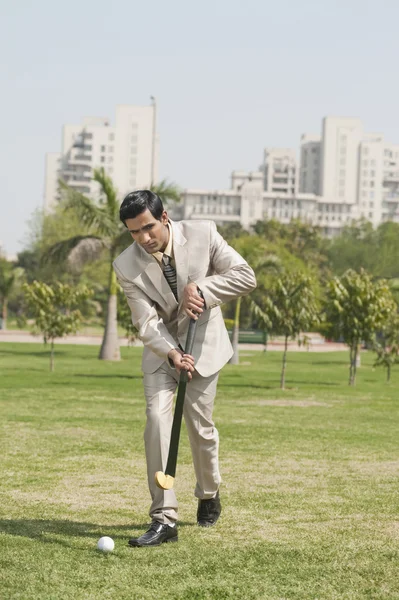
(157, 534)
(208, 511)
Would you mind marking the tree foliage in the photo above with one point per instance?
(386, 346)
(56, 309)
(289, 309)
(125, 318)
(10, 276)
(356, 309)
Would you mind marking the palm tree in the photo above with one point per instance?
(105, 232)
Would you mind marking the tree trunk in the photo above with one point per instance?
(52, 355)
(3, 324)
(265, 337)
(235, 359)
(354, 364)
(282, 381)
(350, 365)
(358, 359)
(110, 344)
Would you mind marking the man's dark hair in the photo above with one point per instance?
(137, 202)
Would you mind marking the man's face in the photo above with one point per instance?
(146, 230)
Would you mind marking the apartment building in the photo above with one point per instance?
(344, 174)
(280, 171)
(127, 150)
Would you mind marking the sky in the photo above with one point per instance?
(230, 77)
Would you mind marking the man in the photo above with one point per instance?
(174, 272)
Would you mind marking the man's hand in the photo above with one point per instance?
(182, 361)
(192, 302)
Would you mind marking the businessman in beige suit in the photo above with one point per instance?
(162, 273)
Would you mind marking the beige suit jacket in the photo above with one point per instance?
(203, 256)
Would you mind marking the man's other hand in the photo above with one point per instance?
(193, 304)
(182, 361)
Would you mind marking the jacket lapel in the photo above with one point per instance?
(181, 259)
(153, 276)
(152, 272)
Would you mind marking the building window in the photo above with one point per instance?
(370, 215)
(102, 148)
(102, 159)
(110, 148)
(111, 137)
(110, 159)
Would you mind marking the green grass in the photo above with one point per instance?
(310, 482)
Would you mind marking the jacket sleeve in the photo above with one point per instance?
(232, 277)
(151, 328)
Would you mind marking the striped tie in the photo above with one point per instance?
(170, 273)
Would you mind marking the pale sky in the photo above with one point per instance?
(230, 77)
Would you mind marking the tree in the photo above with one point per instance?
(387, 345)
(356, 308)
(253, 249)
(299, 238)
(105, 233)
(360, 246)
(9, 275)
(56, 310)
(289, 309)
(168, 191)
(125, 318)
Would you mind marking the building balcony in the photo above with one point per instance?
(391, 178)
(79, 159)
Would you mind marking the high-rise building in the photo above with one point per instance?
(280, 170)
(310, 160)
(128, 151)
(345, 174)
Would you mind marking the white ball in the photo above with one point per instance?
(106, 544)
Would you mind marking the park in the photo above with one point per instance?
(199, 219)
(309, 481)
(309, 463)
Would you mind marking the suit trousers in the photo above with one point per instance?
(159, 389)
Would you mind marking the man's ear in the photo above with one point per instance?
(164, 217)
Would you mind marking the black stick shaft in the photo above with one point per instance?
(178, 414)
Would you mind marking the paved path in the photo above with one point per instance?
(95, 340)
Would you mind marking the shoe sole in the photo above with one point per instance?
(174, 539)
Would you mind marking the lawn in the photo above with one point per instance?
(310, 482)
